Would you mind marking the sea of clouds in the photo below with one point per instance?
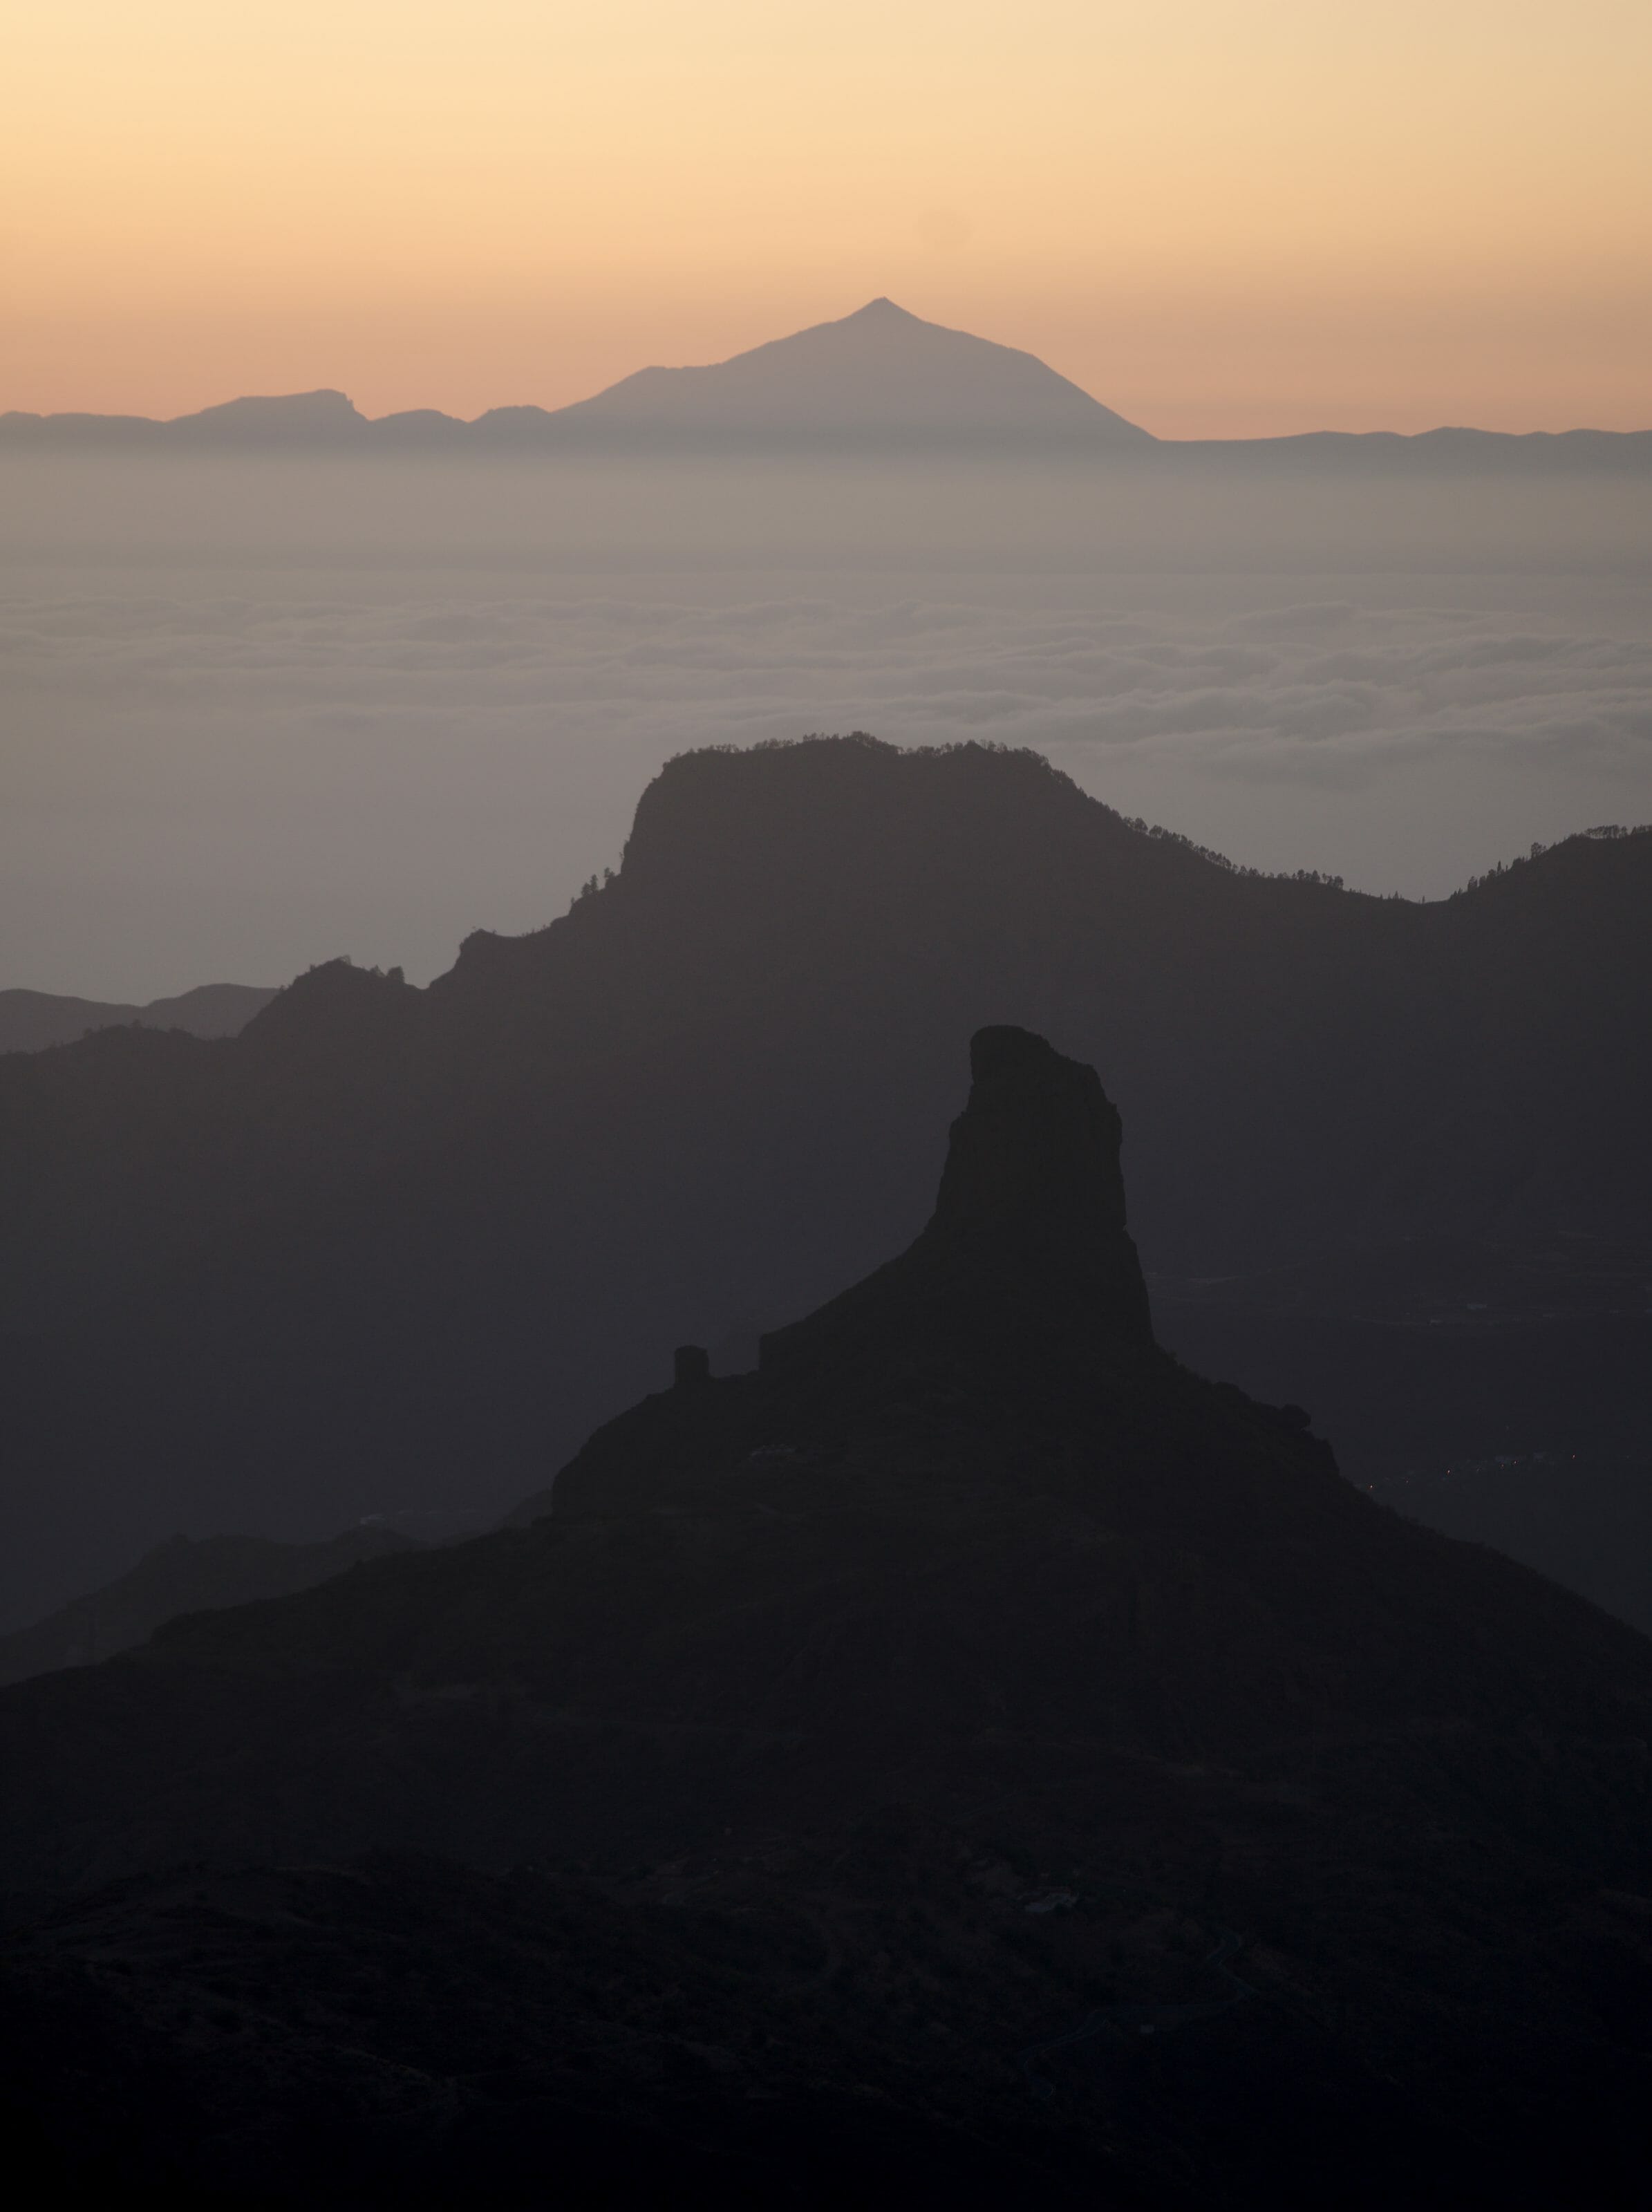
(251, 725)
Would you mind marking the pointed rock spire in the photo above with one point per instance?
(1035, 1153)
(1032, 1184)
(1026, 1254)
(1023, 1294)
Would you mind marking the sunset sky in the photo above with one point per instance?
(1223, 217)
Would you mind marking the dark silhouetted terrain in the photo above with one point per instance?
(32, 1020)
(970, 1751)
(392, 1248)
(182, 1575)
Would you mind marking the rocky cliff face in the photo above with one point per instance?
(1024, 1284)
(968, 1710)
(1032, 1164)
(1032, 1193)
(392, 1246)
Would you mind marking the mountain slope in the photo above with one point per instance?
(32, 1020)
(876, 380)
(392, 1248)
(180, 1577)
(880, 380)
(962, 1695)
(878, 376)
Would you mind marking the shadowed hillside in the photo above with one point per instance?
(968, 1746)
(32, 1020)
(181, 1577)
(391, 1248)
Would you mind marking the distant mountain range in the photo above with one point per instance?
(879, 381)
(400, 1247)
(30, 1021)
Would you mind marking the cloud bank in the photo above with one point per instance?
(230, 770)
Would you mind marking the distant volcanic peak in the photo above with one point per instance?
(880, 321)
(878, 373)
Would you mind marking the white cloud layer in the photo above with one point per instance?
(229, 770)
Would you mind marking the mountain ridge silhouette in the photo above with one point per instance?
(32, 1021)
(961, 1697)
(389, 1247)
(879, 379)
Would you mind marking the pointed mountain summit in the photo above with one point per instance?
(963, 1696)
(1025, 1287)
(833, 1789)
(880, 376)
(1032, 1191)
(1027, 1243)
(881, 380)
(797, 942)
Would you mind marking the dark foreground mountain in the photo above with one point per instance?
(392, 1248)
(182, 1575)
(968, 1753)
(30, 1021)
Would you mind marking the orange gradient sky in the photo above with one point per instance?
(1223, 217)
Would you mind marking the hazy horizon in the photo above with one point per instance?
(878, 369)
(1221, 222)
(264, 712)
(1337, 417)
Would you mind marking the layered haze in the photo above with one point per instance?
(825, 1042)
(263, 711)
